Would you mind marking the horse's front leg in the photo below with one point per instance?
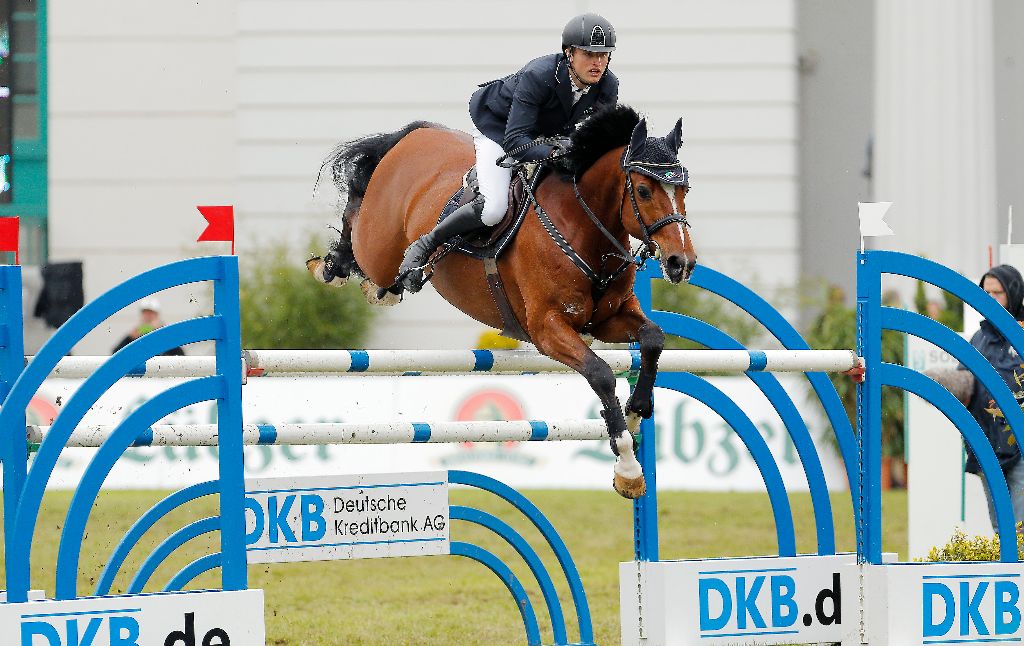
(556, 337)
(631, 324)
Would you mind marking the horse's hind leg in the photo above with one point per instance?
(339, 263)
(558, 339)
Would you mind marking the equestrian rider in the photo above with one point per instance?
(546, 98)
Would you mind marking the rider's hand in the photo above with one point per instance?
(560, 146)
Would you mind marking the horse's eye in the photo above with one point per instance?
(644, 192)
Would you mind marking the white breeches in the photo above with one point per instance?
(494, 180)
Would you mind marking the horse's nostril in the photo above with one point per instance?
(675, 263)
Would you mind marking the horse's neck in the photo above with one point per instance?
(602, 186)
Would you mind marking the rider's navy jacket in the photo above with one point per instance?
(536, 102)
(991, 343)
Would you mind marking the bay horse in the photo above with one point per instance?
(556, 270)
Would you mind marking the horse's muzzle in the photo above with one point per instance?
(679, 268)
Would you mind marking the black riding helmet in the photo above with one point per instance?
(589, 31)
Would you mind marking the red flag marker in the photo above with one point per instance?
(221, 227)
(9, 237)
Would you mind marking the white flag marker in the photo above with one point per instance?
(871, 218)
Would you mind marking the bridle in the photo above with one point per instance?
(603, 279)
(649, 230)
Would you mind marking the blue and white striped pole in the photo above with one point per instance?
(291, 363)
(346, 433)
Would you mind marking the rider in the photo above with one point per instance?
(548, 97)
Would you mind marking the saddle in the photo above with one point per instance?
(488, 244)
(492, 241)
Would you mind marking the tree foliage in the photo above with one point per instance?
(835, 328)
(283, 307)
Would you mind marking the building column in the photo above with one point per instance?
(934, 140)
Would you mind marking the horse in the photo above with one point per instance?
(559, 271)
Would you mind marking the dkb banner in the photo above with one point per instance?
(946, 603)
(326, 518)
(716, 602)
(697, 450)
(171, 619)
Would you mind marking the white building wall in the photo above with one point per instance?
(158, 108)
(142, 129)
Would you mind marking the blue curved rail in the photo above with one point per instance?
(784, 331)
(135, 533)
(513, 538)
(85, 397)
(873, 318)
(167, 547)
(495, 565)
(711, 337)
(547, 530)
(927, 389)
(123, 437)
(701, 390)
(941, 336)
(192, 570)
(645, 511)
(25, 487)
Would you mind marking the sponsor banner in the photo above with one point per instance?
(942, 603)
(696, 449)
(346, 517)
(171, 619)
(759, 600)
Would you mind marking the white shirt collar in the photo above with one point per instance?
(577, 93)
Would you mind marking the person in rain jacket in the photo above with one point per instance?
(1004, 284)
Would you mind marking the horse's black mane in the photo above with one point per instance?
(605, 130)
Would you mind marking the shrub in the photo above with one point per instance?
(283, 307)
(979, 548)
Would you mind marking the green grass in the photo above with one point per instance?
(451, 600)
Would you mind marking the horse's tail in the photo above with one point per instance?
(352, 163)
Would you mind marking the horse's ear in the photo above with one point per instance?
(639, 139)
(675, 138)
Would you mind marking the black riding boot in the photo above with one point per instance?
(463, 220)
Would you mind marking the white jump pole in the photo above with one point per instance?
(347, 433)
(291, 363)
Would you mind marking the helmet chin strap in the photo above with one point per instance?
(576, 77)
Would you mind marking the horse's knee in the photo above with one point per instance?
(651, 337)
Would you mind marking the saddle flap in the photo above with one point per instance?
(490, 242)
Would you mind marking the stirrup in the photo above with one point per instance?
(412, 280)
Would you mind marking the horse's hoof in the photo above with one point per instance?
(317, 267)
(372, 293)
(629, 488)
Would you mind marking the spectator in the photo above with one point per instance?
(1005, 285)
(149, 320)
